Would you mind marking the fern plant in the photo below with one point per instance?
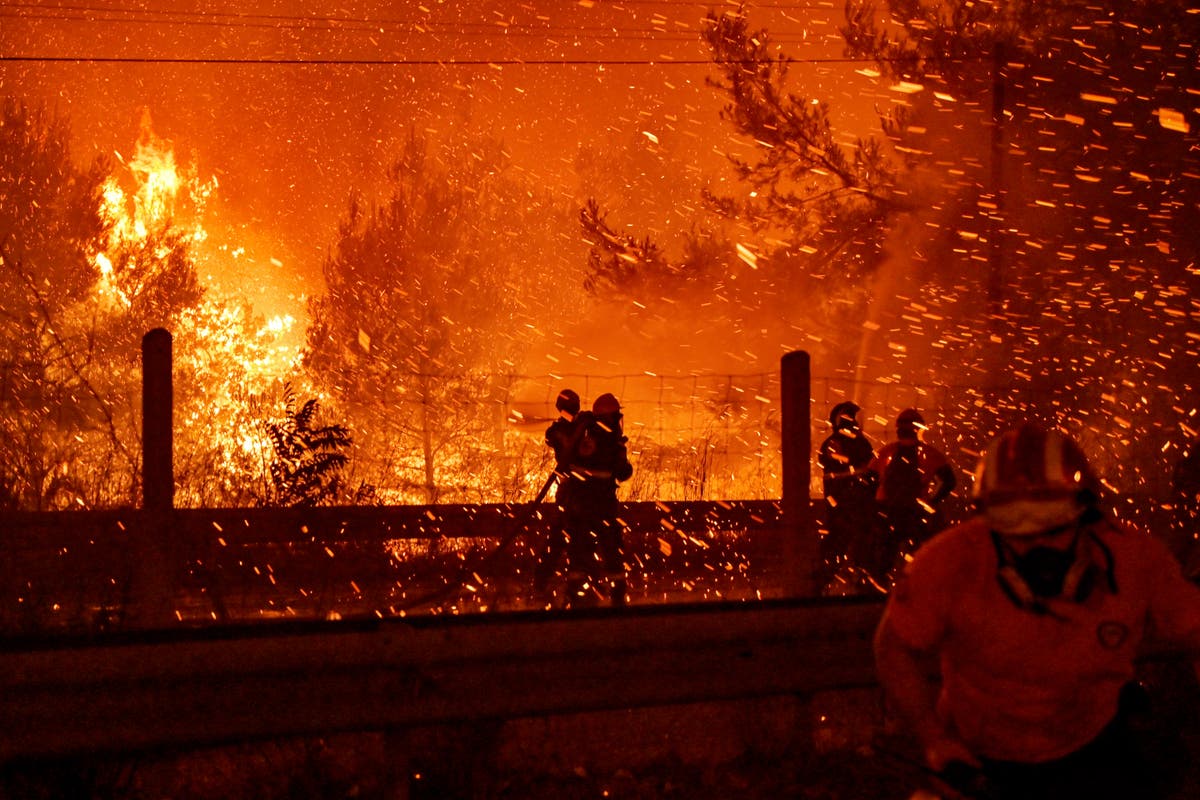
(308, 458)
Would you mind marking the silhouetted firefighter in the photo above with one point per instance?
(597, 462)
(562, 437)
(913, 479)
(849, 490)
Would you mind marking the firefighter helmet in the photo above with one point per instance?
(567, 401)
(606, 404)
(846, 408)
(1033, 463)
(910, 419)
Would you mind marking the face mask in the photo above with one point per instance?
(1048, 572)
(1044, 569)
(1023, 517)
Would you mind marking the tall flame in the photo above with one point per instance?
(153, 164)
(162, 195)
(158, 183)
(151, 206)
(232, 355)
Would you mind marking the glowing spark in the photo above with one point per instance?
(1173, 120)
(747, 255)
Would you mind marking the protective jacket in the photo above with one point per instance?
(843, 459)
(911, 472)
(1035, 685)
(598, 461)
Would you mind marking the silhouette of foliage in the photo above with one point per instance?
(624, 266)
(616, 263)
(822, 195)
(308, 458)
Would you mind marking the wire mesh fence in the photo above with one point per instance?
(713, 436)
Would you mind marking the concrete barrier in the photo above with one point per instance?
(141, 692)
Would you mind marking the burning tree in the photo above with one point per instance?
(1029, 211)
(229, 389)
(430, 296)
(78, 294)
(1085, 210)
(88, 264)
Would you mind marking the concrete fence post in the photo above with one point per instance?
(152, 549)
(799, 542)
(158, 470)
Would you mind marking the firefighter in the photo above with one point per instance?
(561, 438)
(912, 478)
(848, 488)
(599, 462)
(562, 431)
(1008, 644)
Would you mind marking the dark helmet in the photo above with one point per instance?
(846, 408)
(909, 421)
(567, 401)
(1033, 463)
(606, 404)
